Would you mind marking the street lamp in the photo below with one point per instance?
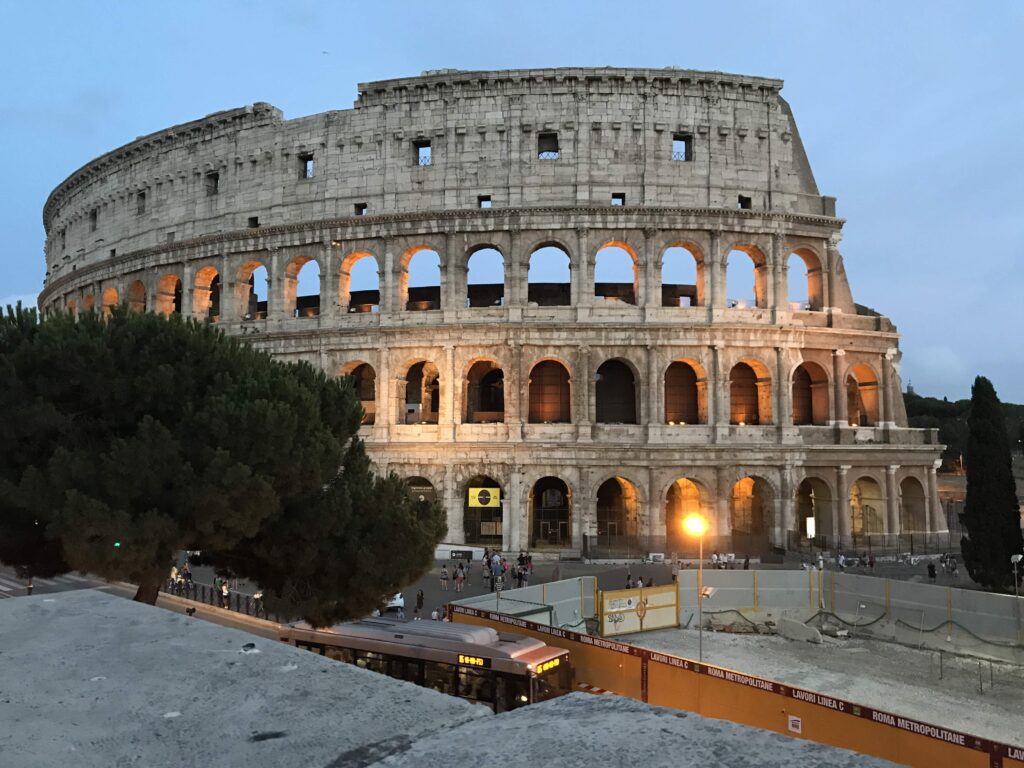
(1015, 561)
(695, 525)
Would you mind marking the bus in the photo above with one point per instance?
(502, 671)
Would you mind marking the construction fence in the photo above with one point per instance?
(672, 681)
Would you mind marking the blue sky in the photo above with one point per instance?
(912, 114)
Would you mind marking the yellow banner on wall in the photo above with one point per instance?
(485, 497)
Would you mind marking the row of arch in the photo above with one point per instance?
(619, 520)
(302, 289)
(617, 393)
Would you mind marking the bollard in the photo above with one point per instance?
(980, 688)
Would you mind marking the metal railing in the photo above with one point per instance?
(208, 595)
(550, 155)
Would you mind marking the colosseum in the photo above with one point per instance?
(576, 304)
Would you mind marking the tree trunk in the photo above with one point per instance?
(147, 592)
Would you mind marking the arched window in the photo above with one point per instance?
(913, 512)
(136, 296)
(168, 296)
(302, 287)
(110, 300)
(746, 278)
(360, 283)
(804, 279)
(685, 394)
(682, 277)
(750, 396)
(365, 382)
(814, 500)
(615, 274)
(862, 396)
(550, 514)
(616, 393)
(549, 393)
(484, 393)
(485, 278)
(618, 523)
(867, 507)
(421, 280)
(549, 278)
(482, 514)
(206, 295)
(751, 515)
(422, 395)
(810, 395)
(251, 291)
(88, 302)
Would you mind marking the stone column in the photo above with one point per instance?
(828, 276)
(843, 504)
(389, 272)
(786, 521)
(583, 378)
(516, 392)
(512, 514)
(886, 410)
(780, 273)
(453, 504)
(516, 273)
(783, 392)
(718, 391)
(655, 399)
(839, 388)
(276, 308)
(583, 282)
(722, 522)
(447, 417)
(892, 499)
(651, 298)
(330, 283)
(933, 508)
(384, 418)
(229, 310)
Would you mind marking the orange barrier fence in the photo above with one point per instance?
(672, 681)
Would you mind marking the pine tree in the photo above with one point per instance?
(991, 514)
(126, 440)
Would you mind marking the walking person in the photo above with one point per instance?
(225, 592)
(931, 572)
(460, 578)
(417, 615)
(444, 577)
(746, 563)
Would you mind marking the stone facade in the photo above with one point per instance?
(597, 412)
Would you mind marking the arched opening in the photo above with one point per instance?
(251, 291)
(618, 515)
(302, 286)
(88, 302)
(750, 394)
(810, 395)
(615, 392)
(549, 278)
(485, 278)
(750, 511)
(421, 489)
(168, 295)
(364, 379)
(484, 393)
(206, 295)
(746, 278)
(803, 270)
(682, 277)
(136, 296)
(862, 396)
(360, 283)
(913, 512)
(422, 395)
(550, 393)
(615, 274)
(72, 306)
(420, 284)
(550, 514)
(686, 394)
(482, 514)
(685, 497)
(814, 500)
(867, 508)
(110, 300)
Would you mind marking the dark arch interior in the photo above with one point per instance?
(549, 393)
(616, 393)
(365, 379)
(682, 400)
(482, 518)
(422, 394)
(485, 393)
(551, 509)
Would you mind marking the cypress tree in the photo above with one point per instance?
(991, 515)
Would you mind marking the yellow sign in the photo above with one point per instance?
(547, 665)
(474, 661)
(485, 497)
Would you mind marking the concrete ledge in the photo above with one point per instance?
(795, 630)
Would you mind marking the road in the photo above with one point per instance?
(11, 585)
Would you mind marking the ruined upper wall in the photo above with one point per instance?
(615, 130)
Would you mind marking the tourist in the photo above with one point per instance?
(746, 563)
(486, 573)
(460, 577)
(931, 572)
(841, 561)
(225, 593)
(444, 577)
(821, 562)
(954, 566)
(714, 559)
(419, 605)
(435, 615)
(871, 562)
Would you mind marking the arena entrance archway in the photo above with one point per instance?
(685, 497)
(421, 489)
(550, 514)
(814, 499)
(866, 508)
(750, 514)
(482, 511)
(618, 517)
(913, 515)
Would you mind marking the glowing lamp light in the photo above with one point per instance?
(695, 525)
